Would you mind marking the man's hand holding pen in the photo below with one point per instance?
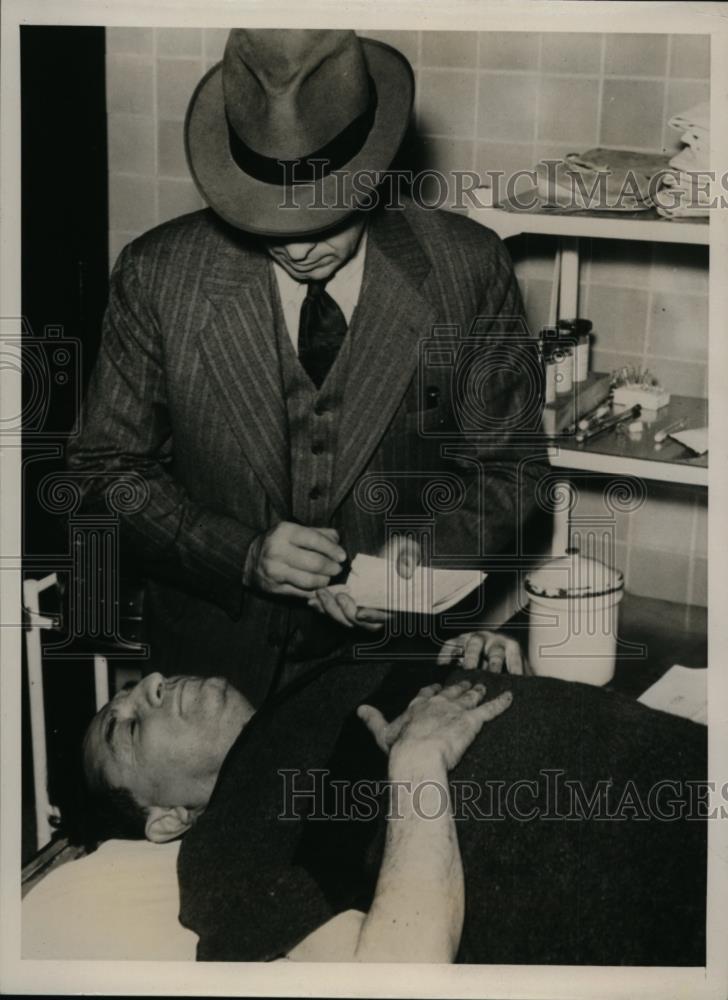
(293, 560)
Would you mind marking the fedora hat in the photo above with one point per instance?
(276, 133)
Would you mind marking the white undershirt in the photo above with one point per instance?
(343, 287)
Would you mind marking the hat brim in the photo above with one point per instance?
(275, 210)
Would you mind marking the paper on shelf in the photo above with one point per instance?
(681, 691)
(375, 583)
(696, 440)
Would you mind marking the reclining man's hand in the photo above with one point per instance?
(438, 721)
(294, 560)
(488, 650)
(405, 553)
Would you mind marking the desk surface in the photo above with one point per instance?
(671, 633)
(693, 410)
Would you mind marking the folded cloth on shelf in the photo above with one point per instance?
(598, 180)
(694, 124)
(697, 116)
(683, 195)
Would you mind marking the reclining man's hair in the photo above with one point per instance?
(115, 813)
(92, 814)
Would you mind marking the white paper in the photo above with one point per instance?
(681, 691)
(696, 440)
(375, 583)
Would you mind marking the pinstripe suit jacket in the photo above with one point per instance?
(186, 396)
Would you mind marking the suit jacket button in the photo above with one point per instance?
(320, 408)
(314, 494)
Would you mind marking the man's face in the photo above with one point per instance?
(318, 257)
(165, 739)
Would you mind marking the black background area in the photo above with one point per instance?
(65, 263)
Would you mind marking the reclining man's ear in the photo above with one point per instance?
(165, 824)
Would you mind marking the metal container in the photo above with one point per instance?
(581, 358)
(550, 384)
(564, 358)
(574, 609)
(578, 333)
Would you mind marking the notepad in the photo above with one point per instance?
(681, 691)
(375, 583)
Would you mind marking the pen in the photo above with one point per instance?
(664, 432)
(596, 414)
(607, 424)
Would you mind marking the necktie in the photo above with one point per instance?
(321, 330)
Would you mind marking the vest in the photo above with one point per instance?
(313, 422)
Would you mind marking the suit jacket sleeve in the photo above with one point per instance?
(498, 404)
(126, 432)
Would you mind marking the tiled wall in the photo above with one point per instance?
(494, 101)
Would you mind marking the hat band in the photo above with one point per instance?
(334, 155)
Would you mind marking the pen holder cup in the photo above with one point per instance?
(574, 613)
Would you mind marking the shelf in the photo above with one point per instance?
(612, 454)
(616, 454)
(648, 226)
(614, 465)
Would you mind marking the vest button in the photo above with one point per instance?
(320, 409)
(317, 448)
(314, 493)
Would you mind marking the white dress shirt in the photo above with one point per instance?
(343, 287)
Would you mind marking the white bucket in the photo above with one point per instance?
(574, 610)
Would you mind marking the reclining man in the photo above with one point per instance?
(306, 838)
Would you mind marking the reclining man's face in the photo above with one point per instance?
(318, 257)
(164, 740)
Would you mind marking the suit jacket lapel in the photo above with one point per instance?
(238, 347)
(392, 316)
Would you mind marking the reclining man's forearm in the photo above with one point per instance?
(419, 902)
(418, 907)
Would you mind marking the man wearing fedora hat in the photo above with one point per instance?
(268, 368)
